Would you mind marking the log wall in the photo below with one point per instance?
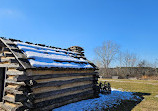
(53, 89)
(13, 85)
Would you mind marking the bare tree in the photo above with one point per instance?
(143, 63)
(97, 63)
(107, 52)
(155, 65)
(120, 59)
(130, 59)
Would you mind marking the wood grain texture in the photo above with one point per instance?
(61, 99)
(59, 83)
(47, 76)
(56, 92)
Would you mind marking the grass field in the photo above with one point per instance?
(147, 88)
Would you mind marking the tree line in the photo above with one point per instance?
(112, 61)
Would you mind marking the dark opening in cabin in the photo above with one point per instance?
(2, 78)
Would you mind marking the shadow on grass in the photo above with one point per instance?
(128, 105)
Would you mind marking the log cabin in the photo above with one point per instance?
(35, 77)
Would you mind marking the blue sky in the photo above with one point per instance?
(87, 23)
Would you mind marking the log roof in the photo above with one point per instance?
(36, 56)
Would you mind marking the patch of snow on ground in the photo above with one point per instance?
(103, 102)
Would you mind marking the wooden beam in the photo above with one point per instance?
(60, 71)
(59, 83)
(5, 49)
(13, 91)
(57, 92)
(51, 88)
(47, 76)
(8, 55)
(13, 61)
(61, 99)
(18, 78)
(14, 82)
(15, 72)
(9, 65)
(4, 60)
(56, 105)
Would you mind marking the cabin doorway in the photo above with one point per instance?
(2, 78)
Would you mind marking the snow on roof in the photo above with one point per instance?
(103, 102)
(50, 57)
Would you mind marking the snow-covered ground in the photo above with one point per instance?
(103, 102)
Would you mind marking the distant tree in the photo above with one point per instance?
(107, 53)
(142, 63)
(145, 63)
(120, 59)
(155, 65)
(129, 59)
(97, 63)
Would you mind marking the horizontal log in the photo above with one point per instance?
(8, 55)
(61, 78)
(19, 99)
(15, 72)
(59, 83)
(18, 87)
(13, 61)
(13, 91)
(5, 49)
(51, 88)
(17, 78)
(14, 82)
(56, 105)
(48, 71)
(10, 65)
(61, 69)
(61, 95)
(8, 106)
(47, 76)
(10, 99)
(4, 60)
(9, 60)
(61, 99)
(57, 92)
